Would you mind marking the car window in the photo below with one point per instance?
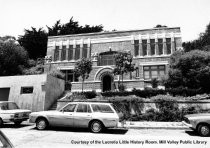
(69, 108)
(83, 108)
(102, 108)
(8, 106)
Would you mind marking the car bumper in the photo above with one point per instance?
(18, 119)
(187, 124)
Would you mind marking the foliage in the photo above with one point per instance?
(83, 68)
(72, 27)
(13, 59)
(57, 73)
(121, 87)
(123, 64)
(202, 43)
(90, 94)
(35, 42)
(34, 67)
(191, 70)
(68, 85)
(154, 83)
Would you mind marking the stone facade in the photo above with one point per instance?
(150, 49)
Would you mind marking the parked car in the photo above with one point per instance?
(10, 112)
(4, 141)
(92, 115)
(198, 122)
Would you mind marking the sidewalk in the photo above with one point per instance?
(153, 125)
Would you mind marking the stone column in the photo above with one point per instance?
(164, 46)
(88, 49)
(148, 47)
(67, 50)
(172, 43)
(141, 72)
(140, 46)
(60, 50)
(81, 49)
(74, 47)
(156, 45)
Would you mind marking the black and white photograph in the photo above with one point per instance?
(104, 73)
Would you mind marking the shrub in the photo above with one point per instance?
(154, 83)
(90, 94)
(68, 85)
(57, 74)
(121, 87)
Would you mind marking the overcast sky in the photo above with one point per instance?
(191, 15)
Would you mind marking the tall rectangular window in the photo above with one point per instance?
(70, 76)
(136, 48)
(152, 46)
(63, 53)
(77, 52)
(144, 46)
(154, 71)
(56, 53)
(70, 53)
(84, 51)
(160, 46)
(168, 45)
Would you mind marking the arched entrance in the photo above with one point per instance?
(107, 83)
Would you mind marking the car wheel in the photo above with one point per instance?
(96, 126)
(41, 124)
(204, 130)
(18, 122)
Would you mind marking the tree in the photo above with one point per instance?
(83, 68)
(190, 70)
(35, 42)
(72, 27)
(123, 64)
(13, 58)
(202, 43)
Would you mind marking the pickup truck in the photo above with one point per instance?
(10, 112)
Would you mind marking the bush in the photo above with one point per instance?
(121, 87)
(68, 85)
(90, 94)
(57, 74)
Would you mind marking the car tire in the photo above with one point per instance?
(96, 126)
(204, 130)
(18, 123)
(41, 124)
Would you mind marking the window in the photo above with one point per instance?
(70, 53)
(56, 53)
(151, 72)
(69, 108)
(70, 76)
(83, 108)
(144, 46)
(26, 90)
(101, 108)
(84, 52)
(137, 72)
(63, 53)
(160, 46)
(168, 45)
(77, 52)
(107, 60)
(152, 46)
(8, 106)
(136, 48)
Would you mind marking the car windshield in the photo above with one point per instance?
(101, 108)
(8, 106)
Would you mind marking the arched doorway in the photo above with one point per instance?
(107, 83)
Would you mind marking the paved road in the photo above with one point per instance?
(26, 136)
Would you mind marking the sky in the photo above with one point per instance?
(191, 15)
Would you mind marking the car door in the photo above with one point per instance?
(67, 116)
(82, 115)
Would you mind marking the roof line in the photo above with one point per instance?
(112, 32)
